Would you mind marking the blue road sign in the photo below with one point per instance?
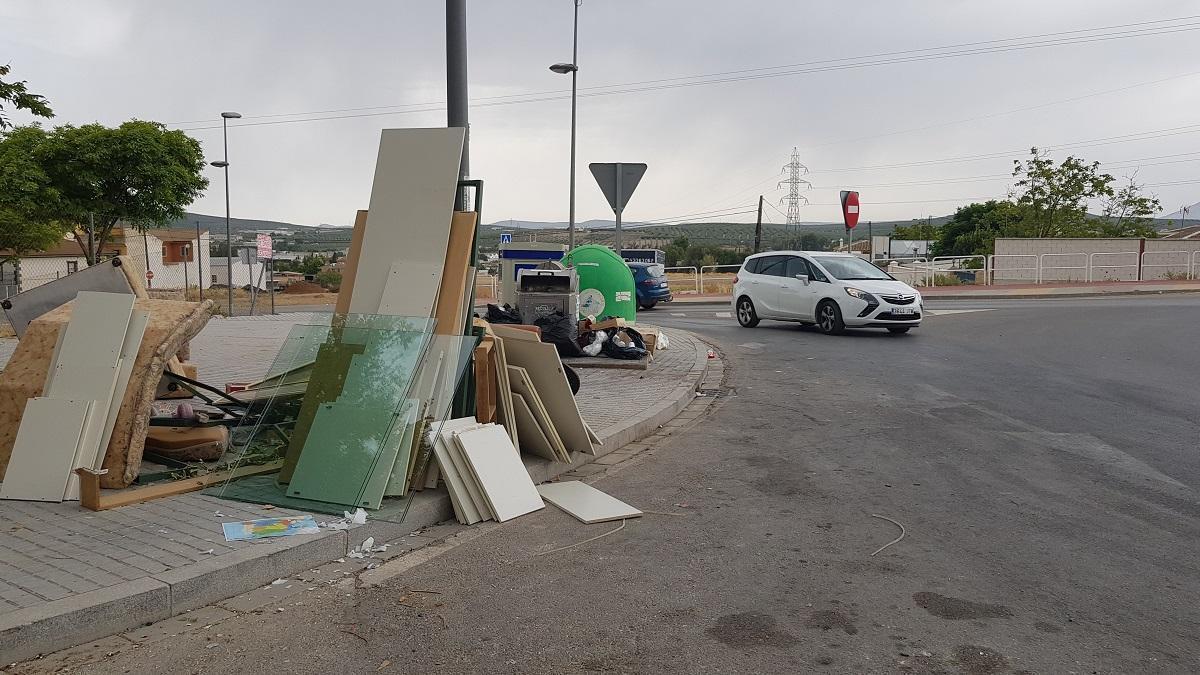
(506, 237)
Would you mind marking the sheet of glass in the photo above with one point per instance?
(397, 481)
(344, 445)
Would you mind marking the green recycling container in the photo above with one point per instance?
(605, 282)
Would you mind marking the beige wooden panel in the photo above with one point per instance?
(521, 385)
(96, 330)
(44, 450)
(496, 465)
(129, 351)
(533, 439)
(508, 415)
(408, 219)
(346, 290)
(457, 257)
(586, 502)
(410, 289)
(540, 360)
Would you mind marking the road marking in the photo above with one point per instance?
(947, 312)
(678, 314)
(753, 345)
(724, 315)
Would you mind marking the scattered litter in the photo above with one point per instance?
(278, 609)
(208, 552)
(267, 507)
(368, 546)
(211, 645)
(269, 527)
(902, 532)
(358, 518)
(712, 354)
(278, 582)
(383, 665)
(218, 514)
(163, 532)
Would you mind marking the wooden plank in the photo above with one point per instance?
(408, 219)
(496, 465)
(45, 448)
(517, 332)
(485, 383)
(585, 502)
(346, 290)
(91, 497)
(540, 361)
(457, 256)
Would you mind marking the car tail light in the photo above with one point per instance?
(735, 279)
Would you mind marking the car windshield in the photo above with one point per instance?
(848, 268)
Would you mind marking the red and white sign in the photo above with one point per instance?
(149, 275)
(850, 208)
(265, 250)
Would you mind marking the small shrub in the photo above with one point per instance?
(947, 280)
(1176, 276)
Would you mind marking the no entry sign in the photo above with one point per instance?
(850, 208)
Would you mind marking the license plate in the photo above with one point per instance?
(904, 310)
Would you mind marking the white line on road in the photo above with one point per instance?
(946, 312)
(724, 315)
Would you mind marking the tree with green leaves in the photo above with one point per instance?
(17, 95)
(973, 228)
(28, 200)
(140, 174)
(1054, 197)
(920, 230)
(1127, 212)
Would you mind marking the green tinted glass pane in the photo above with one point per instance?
(343, 446)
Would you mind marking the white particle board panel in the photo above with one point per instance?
(585, 502)
(96, 384)
(407, 289)
(397, 483)
(129, 351)
(464, 506)
(408, 221)
(521, 384)
(534, 440)
(96, 330)
(497, 466)
(540, 361)
(510, 333)
(44, 449)
(471, 499)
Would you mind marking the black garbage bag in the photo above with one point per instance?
(505, 314)
(559, 330)
(634, 350)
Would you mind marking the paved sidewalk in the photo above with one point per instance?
(68, 575)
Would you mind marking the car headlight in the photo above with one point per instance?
(861, 295)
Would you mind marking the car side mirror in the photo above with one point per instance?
(803, 278)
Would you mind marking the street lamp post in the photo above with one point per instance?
(223, 164)
(573, 69)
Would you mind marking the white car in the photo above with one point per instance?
(832, 291)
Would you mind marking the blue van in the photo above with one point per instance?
(650, 280)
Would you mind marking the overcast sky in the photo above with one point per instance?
(709, 147)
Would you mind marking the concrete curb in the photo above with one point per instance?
(90, 616)
(1051, 296)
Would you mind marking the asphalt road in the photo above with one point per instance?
(1040, 456)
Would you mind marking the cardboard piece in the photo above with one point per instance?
(485, 381)
(522, 385)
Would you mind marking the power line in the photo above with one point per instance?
(825, 65)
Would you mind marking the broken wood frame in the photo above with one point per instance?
(92, 498)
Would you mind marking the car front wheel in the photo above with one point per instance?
(829, 318)
(746, 314)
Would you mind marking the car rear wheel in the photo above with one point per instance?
(746, 314)
(898, 330)
(829, 318)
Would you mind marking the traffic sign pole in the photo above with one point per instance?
(619, 209)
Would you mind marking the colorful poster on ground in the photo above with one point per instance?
(270, 527)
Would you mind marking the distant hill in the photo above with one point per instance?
(217, 224)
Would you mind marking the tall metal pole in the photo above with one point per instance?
(456, 85)
(574, 89)
(758, 227)
(228, 231)
(199, 266)
(620, 200)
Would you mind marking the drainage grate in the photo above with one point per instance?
(714, 393)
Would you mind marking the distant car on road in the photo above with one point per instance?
(650, 280)
(832, 291)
